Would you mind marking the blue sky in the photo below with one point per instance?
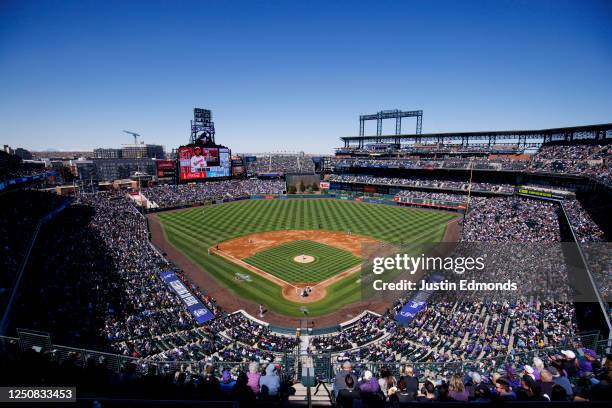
(292, 75)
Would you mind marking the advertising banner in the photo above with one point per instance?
(197, 309)
(418, 303)
(408, 312)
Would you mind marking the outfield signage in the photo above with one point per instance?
(197, 309)
(544, 194)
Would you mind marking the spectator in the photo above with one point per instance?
(386, 381)
(402, 394)
(269, 384)
(340, 379)
(410, 381)
(227, 383)
(348, 394)
(368, 384)
(427, 392)
(562, 381)
(254, 375)
(503, 390)
(457, 389)
(242, 392)
(546, 383)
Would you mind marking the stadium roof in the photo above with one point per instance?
(523, 138)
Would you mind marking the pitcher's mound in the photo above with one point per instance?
(304, 259)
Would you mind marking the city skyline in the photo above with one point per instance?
(284, 76)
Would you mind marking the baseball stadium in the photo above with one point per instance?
(258, 270)
(462, 257)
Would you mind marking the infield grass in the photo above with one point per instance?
(328, 261)
(194, 230)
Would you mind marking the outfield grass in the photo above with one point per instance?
(328, 261)
(194, 230)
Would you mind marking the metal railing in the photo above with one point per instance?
(323, 366)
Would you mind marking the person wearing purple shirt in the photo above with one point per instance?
(457, 389)
(368, 384)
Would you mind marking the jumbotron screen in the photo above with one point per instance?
(202, 162)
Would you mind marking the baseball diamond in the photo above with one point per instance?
(254, 232)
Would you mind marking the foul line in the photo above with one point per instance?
(252, 268)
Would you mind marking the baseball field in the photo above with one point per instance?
(269, 251)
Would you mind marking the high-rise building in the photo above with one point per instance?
(23, 153)
(117, 169)
(137, 151)
(112, 169)
(103, 153)
(84, 169)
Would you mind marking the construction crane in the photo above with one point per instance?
(136, 136)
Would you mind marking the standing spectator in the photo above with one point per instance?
(269, 384)
(254, 377)
(210, 387)
(386, 381)
(411, 382)
(568, 363)
(538, 366)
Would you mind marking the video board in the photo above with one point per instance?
(197, 162)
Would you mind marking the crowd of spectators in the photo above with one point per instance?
(421, 182)
(12, 167)
(426, 195)
(253, 334)
(578, 152)
(282, 163)
(166, 195)
(20, 213)
(584, 227)
(96, 282)
(590, 160)
(100, 278)
(558, 378)
(416, 162)
(367, 329)
(515, 219)
(248, 385)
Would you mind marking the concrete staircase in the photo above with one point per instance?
(319, 400)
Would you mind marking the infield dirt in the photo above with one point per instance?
(237, 249)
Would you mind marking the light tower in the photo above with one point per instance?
(202, 127)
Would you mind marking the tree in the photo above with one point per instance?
(315, 186)
(302, 186)
(291, 190)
